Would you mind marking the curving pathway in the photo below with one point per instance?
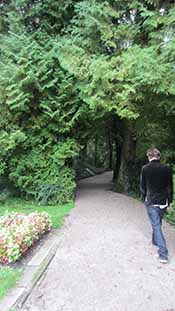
(105, 261)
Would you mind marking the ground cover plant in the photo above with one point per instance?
(18, 232)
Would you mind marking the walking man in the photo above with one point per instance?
(156, 185)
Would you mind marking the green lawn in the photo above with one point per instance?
(9, 276)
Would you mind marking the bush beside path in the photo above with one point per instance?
(105, 261)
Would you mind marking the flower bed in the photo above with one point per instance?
(18, 232)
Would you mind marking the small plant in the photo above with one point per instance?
(47, 192)
(4, 195)
(18, 232)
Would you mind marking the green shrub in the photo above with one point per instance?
(43, 174)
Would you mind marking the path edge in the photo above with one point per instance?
(33, 272)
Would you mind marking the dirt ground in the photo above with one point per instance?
(105, 261)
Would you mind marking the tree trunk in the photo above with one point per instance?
(96, 151)
(118, 154)
(110, 148)
(118, 139)
(127, 166)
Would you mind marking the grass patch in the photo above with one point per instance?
(56, 212)
(8, 278)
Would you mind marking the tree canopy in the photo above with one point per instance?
(71, 68)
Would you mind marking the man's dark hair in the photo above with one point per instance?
(153, 153)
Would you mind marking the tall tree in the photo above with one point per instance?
(118, 53)
(65, 64)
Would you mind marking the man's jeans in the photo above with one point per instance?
(156, 215)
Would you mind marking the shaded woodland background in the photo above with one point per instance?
(85, 86)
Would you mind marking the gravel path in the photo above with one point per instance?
(105, 261)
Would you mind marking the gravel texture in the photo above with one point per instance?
(105, 260)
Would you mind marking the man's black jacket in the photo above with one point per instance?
(156, 183)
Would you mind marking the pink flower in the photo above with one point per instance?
(18, 232)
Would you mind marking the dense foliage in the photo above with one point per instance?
(122, 55)
(78, 74)
(39, 107)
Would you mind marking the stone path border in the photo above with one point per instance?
(31, 275)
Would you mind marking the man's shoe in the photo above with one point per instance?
(163, 260)
(154, 244)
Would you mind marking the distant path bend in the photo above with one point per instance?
(105, 261)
